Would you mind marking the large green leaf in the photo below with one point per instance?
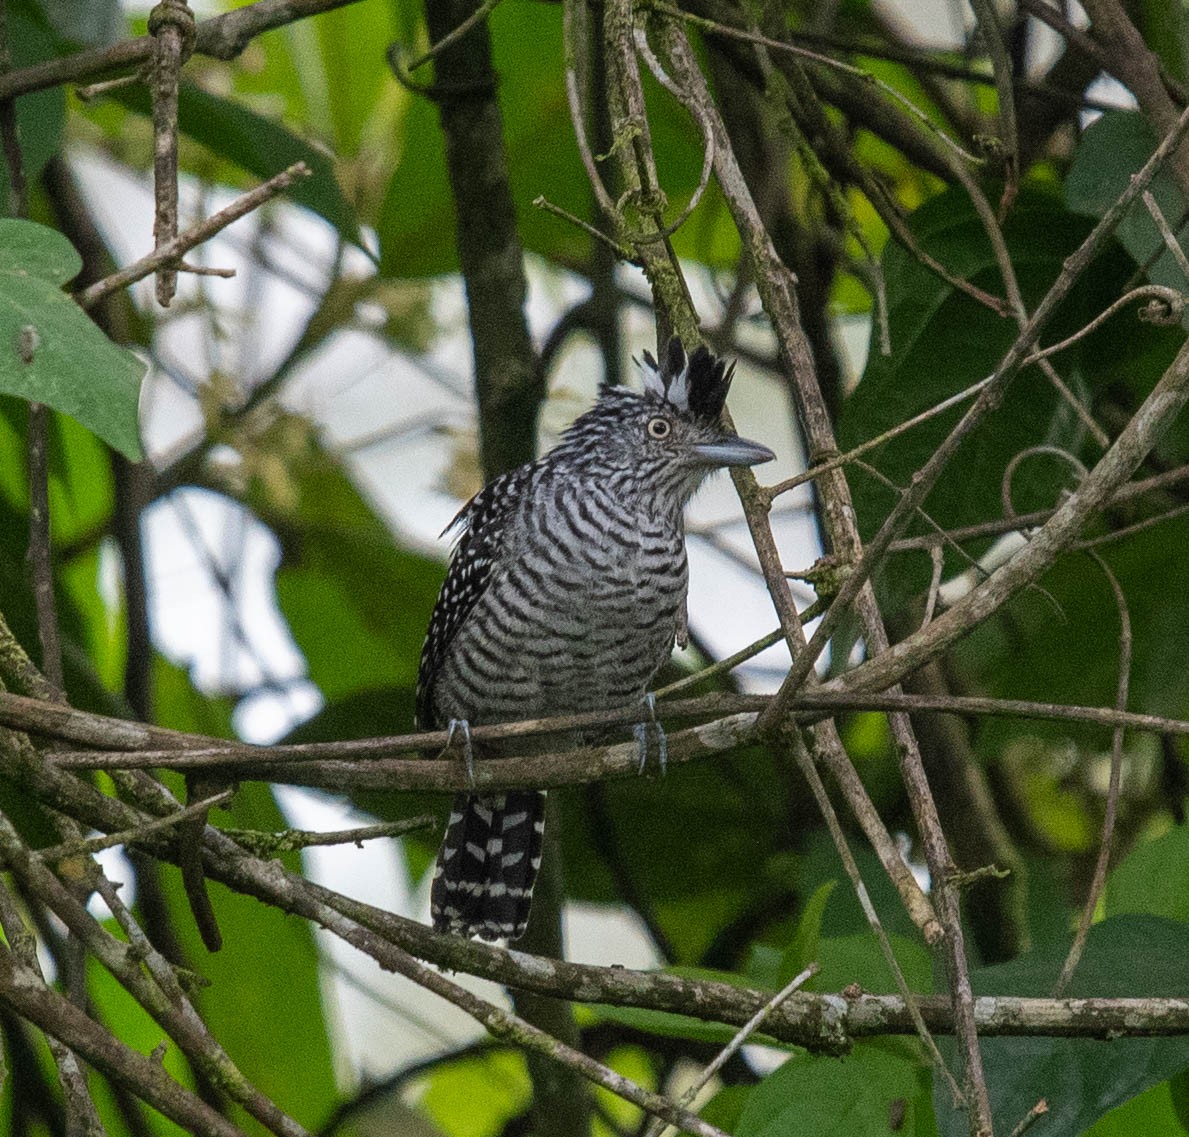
(1081, 1079)
(1158, 1112)
(1062, 644)
(943, 341)
(52, 352)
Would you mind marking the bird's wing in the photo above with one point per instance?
(481, 525)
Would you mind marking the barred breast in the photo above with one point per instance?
(580, 611)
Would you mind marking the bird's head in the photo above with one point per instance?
(666, 440)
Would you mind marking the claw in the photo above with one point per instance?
(641, 732)
(461, 726)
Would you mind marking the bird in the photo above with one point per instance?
(565, 593)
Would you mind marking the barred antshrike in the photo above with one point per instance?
(564, 594)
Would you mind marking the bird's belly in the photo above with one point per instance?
(567, 644)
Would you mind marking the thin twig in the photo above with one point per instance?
(809, 771)
(992, 35)
(1038, 1110)
(732, 1048)
(576, 36)
(841, 460)
(621, 251)
(658, 72)
(90, 845)
(1170, 239)
(293, 840)
(221, 37)
(479, 14)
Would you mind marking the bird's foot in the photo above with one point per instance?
(462, 728)
(643, 731)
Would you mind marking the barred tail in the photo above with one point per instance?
(483, 883)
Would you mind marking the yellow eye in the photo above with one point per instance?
(659, 427)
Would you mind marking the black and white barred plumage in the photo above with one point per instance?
(564, 595)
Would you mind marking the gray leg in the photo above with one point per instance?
(642, 730)
(462, 727)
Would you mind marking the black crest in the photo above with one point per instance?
(697, 385)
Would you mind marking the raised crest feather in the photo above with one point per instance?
(698, 384)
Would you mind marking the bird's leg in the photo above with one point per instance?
(643, 729)
(463, 728)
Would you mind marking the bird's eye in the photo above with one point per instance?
(659, 427)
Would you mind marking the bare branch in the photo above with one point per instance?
(177, 248)
(221, 37)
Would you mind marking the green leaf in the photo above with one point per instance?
(1063, 644)
(803, 950)
(41, 115)
(858, 959)
(477, 1096)
(877, 1089)
(1153, 878)
(1155, 1113)
(1081, 1079)
(943, 341)
(50, 352)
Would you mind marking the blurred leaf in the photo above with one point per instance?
(1110, 150)
(354, 80)
(1062, 644)
(858, 959)
(1153, 878)
(91, 23)
(41, 115)
(1153, 1113)
(1080, 1078)
(264, 1002)
(1164, 29)
(261, 146)
(477, 1096)
(178, 705)
(877, 1089)
(416, 222)
(73, 367)
(650, 829)
(804, 947)
(943, 341)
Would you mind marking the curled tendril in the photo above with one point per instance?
(1009, 508)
